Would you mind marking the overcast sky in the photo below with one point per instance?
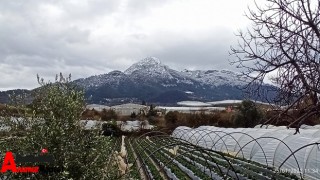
(91, 37)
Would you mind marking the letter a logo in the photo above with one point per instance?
(9, 163)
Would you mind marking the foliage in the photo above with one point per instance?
(110, 129)
(133, 115)
(171, 118)
(152, 111)
(248, 115)
(174, 119)
(78, 153)
(107, 115)
(91, 114)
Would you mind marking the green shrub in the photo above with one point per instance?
(81, 154)
(133, 115)
(248, 115)
(152, 111)
(171, 118)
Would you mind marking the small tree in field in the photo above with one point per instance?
(54, 125)
(248, 115)
(152, 111)
(171, 118)
(284, 40)
(133, 115)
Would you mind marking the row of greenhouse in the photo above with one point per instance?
(273, 146)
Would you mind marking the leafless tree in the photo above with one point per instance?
(284, 39)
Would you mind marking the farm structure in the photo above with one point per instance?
(277, 148)
(156, 155)
(189, 109)
(122, 109)
(127, 109)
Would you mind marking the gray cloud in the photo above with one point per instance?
(96, 36)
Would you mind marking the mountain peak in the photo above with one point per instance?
(150, 80)
(150, 60)
(144, 64)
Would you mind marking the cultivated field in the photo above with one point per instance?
(156, 155)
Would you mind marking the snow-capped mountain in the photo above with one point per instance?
(151, 70)
(150, 80)
(113, 78)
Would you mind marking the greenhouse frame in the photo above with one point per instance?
(273, 146)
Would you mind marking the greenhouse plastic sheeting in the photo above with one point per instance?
(272, 146)
(269, 126)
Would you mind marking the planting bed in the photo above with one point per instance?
(154, 158)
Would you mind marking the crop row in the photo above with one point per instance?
(192, 170)
(155, 158)
(242, 167)
(134, 170)
(151, 170)
(172, 170)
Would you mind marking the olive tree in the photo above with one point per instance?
(54, 124)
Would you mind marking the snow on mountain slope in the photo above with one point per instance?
(113, 78)
(153, 81)
(149, 63)
(149, 67)
(152, 70)
(216, 77)
(150, 80)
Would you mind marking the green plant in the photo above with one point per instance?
(54, 124)
(171, 118)
(152, 111)
(248, 115)
(133, 115)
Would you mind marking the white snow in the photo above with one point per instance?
(147, 62)
(216, 77)
(151, 69)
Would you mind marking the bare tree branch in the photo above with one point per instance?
(284, 38)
